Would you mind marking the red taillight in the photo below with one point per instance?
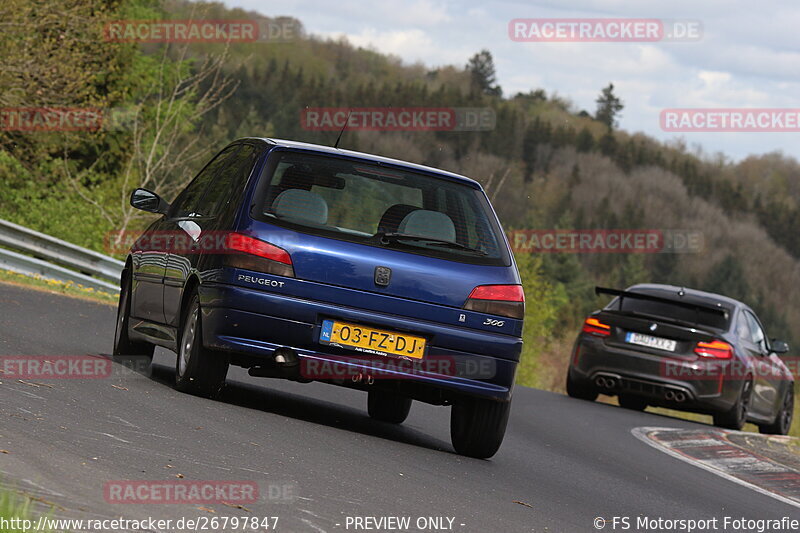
(249, 245)
(594, 327)
(714, 349)
(506, 293)
(503, 300)
(258, 256)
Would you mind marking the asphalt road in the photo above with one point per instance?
(564, 461)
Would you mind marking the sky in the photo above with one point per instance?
(747, 54)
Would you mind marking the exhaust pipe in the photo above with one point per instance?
(680, 397)
(285, 363)
(603, 382)
(357, 378)
(370, 380)
(285, 357)
(669, 395)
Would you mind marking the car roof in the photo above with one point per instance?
(689, 294)
(283, 143)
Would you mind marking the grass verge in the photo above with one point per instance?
(68, 288)
(17, 511)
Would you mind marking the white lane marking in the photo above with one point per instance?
(28, 394)
(719, 467)
(254, 471)
(312, 525)
(125, 422)
(144, 434)
(112, 436)
(46, 490)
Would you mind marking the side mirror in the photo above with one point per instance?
(779, 347)
(149, 201)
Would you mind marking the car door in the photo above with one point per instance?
(754, 355)
(183, 226)
(201, 216)
(148, 263)
(764, 392)
(770, 375)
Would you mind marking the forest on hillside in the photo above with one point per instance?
(546, 164)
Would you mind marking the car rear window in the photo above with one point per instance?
(379, 205)
(700, 317)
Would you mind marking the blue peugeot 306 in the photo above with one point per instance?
(312, 263)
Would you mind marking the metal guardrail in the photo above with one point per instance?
(56, 259)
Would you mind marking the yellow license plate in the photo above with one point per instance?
(369, 340)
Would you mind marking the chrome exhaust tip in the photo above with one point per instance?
(370, 380)
(669, 395)
(600, 381)
(285, 357)
(680, 397)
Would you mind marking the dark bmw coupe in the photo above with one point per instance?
(684, 349)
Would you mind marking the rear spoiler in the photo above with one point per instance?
(640, 296)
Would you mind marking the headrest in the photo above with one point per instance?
(392, 217)
(301, 205)
(425, 223)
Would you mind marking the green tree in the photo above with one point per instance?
(544, 299)
(584, 142)
(608, 144)
(608, 107)
(631, 271)
(728, 278)
(482, 74)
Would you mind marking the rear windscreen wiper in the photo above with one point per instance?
(433, 241)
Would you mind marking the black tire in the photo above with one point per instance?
(124, 348)
(634, 403)
(198, 370)
(388, 406)
(736, 417)
(579, 391)
(783, 420)
(477, 426)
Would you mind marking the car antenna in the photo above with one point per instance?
(336, 145)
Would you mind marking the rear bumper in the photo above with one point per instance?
(659, 379)
(253, 324)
